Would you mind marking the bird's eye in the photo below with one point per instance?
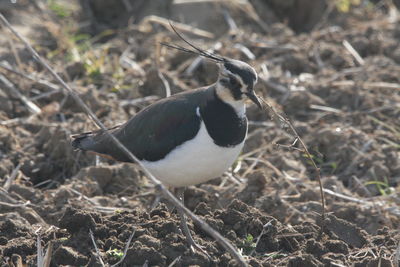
(234, 82)
(224, 82)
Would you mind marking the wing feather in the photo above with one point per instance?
(153, 132)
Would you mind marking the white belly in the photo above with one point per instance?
(195, 161)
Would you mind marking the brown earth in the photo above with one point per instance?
(346, 110)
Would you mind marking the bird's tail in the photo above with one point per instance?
(84, 141)
(96, 141)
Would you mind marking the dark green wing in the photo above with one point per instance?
(153, 132)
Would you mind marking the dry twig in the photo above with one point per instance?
(279, 119)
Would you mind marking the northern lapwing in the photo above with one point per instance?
(190, 137)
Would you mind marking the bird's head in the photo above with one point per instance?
(236, 81)
(236, 78)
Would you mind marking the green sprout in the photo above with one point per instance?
(334, 166)
(344, 6)
(383, 187)
(248, 244)
(115, 253)
(275, 255)
(60, 10)
(118, 211)
(317, 160)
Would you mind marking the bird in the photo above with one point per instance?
(190, 137)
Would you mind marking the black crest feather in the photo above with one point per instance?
(196, 50)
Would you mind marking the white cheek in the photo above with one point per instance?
(225, 95)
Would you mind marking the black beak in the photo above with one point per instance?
(254, 98)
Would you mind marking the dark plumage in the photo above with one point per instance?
(159, 128)
(247, 75)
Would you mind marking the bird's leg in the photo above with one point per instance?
(184, 227)
(155, 203)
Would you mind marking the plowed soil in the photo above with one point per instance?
(334, 73)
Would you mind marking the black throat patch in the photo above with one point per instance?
(223, 124)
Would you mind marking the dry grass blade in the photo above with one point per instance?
(43, 260)
(326, 109)
(12, 177)
(6, 66)
(347, 198)
(6, 198)
(161, 75)
(165, 83)
(127, 62)
(47, 256)
(39, 255)
(32, 107)
(233, 28)
(125, 249)
(245, 50)
(383, 85)
(366, 85)
(263, 232)
(175, 261)
(279, 119)
(158, 185)
(14, 51)
(353, 52)
(180, 26)
(96, 248)
(18, 262)
(251, 12)
(13, 121)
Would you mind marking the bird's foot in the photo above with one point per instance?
(185, 229)
(194, 247)
(192, 244)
